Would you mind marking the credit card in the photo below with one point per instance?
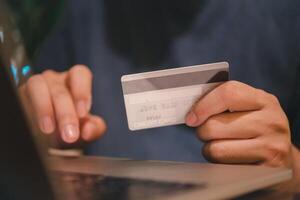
(164, 97)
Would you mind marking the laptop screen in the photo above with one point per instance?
(22, 173)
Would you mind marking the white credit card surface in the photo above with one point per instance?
(164, 97)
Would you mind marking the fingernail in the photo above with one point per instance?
(47, 125)
(81, 108)
(70, 133)
(191, 119)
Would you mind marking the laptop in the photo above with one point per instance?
(29, 173)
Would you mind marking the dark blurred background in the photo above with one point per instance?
(35, 19)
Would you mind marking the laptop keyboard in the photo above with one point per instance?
(94, 187)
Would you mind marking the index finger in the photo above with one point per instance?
(230, 96)
(80, 83)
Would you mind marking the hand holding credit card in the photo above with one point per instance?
(164, 97)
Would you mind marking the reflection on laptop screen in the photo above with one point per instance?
(12, 50)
